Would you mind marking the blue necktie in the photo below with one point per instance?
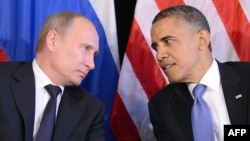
(201, 118)
(48, 120)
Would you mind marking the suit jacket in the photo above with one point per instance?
(80, 115)
(170, 108)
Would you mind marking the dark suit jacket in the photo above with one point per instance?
(80, 115)
(170, 108)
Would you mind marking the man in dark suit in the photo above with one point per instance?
(65, 54)
(181, 38)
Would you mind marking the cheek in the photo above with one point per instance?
(68, 58)
(87, 54)
(73, 53)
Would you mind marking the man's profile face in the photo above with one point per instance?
(76, 51)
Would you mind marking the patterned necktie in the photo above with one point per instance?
(201, 118)
(48, 121)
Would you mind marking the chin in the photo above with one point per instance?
(77, 83)
(172, 80)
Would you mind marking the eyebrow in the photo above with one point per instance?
(167, 37)
(90, 46)
(162, 40)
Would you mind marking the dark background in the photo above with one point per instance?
(124, 15)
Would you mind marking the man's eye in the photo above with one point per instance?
(167, 41)
(86, 47)
(154, 46)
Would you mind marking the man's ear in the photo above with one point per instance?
(204, 39)
(51, 39)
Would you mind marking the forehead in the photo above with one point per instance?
(84, 31)
(163, 25)
(169, 24)
(82, 24)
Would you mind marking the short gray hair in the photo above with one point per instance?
(59, 22)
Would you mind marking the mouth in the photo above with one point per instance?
(167, 67)
(82, 74)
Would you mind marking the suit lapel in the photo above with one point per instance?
(235, 93)
(24, 96)
(182, 105)
(69, 113)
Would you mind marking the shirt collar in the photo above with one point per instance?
(212, 77)
(41, 79)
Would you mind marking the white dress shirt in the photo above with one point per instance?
(215, 100)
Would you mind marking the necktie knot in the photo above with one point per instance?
(53, 90)
(199, 90)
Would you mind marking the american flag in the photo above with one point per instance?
(140, 76)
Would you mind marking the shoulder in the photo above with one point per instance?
(241, 68)
(239, 65)
(168, 93)
(82, 99)
(83, 96)
(12, 65)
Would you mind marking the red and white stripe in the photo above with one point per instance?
(141, 77)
